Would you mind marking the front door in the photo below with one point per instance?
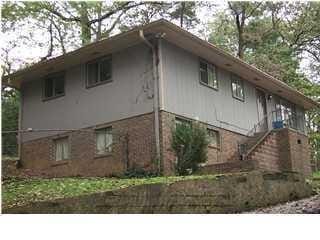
(262, 111)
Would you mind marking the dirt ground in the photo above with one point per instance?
(305, 206)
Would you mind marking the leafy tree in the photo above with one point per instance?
(10, 114)
(276, 37)
(190, 144)
(242, 12)
(183, 13)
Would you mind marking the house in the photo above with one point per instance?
(110, 106)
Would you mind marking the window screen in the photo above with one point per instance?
(105, 70)
(237, 87)
(208, 75)
(92, 73)
(181, 121)
(99, 71)
(214, 138)
(48, 88)
(61, 149)
(54, 86)
(104, 140)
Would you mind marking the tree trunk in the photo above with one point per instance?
(240, 44)
(98, 34)
(240, 22)
(183, 5)
(85, 26)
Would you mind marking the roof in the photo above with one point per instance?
(175, 35)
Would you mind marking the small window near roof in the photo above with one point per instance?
(99, 71)
(62, 149)
(104, 140)
(237, 87)
(208, 74)
(53, 86)
(214, 138)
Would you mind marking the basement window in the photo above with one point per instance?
(208, 75)
(237, 87)
(62, 151)
(104, 141)
(53, 86)
(182, 121)
(214, 138)
(99, 71)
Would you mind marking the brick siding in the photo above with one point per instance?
(133, 147)
(227, 152)
(283, 150)
(266, 155)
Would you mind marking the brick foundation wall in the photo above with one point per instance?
(227, 152)
(227, 167)
(133, 147)
(266, 155)
(283, 150)
(294, 151)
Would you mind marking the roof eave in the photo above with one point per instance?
(14, 80)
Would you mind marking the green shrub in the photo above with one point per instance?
(190, 143)
(139, 173)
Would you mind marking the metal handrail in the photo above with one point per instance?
(291, 122)
(263, 120)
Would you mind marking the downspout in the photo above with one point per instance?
(155, 97)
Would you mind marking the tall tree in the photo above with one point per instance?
(276, 37)
(242, 12)
(10, 113)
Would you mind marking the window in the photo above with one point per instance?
(237, 87)
(286, 112)
(214, 138)
(53, 86)
(104, 140)
(181, 121)
(208, 75)
(99, 71)
(62, 149)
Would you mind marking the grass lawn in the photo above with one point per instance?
(315, 181)
(19, 192)
(316, 174)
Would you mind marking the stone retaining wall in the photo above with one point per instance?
(226, 194)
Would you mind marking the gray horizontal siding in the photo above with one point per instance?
(126, 96)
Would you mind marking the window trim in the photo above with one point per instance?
(241, 83)
(215, 73)
(97, 155)
(58, 74)
(182, 119)
(219, 138)
(62, 161)
(97, 60)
